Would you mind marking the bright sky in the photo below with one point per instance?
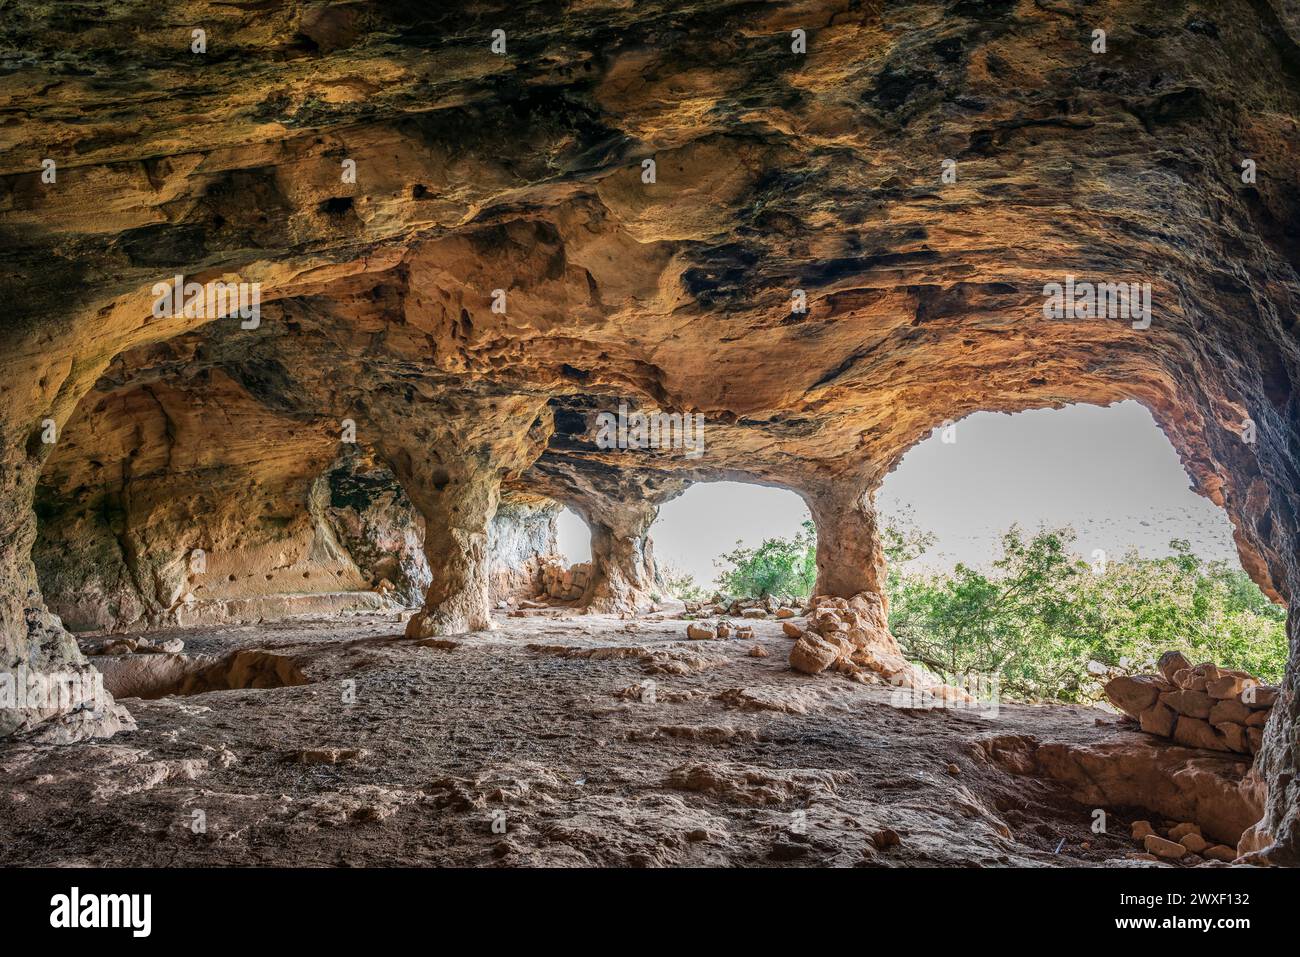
(1109, 472)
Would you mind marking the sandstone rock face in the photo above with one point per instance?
(1210, 790)
(818, 172)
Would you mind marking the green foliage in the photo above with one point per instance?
(1043, 615)
(681, 585)
(780, 566)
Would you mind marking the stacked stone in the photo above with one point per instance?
(1200, 706)
(704, 630)
(563, 584)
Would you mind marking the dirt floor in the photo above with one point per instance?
(547, 729)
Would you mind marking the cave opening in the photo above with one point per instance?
(1060, 547)
(695, 533)
(572, 537)
(823, 267)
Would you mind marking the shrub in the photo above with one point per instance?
(1044, 614)
(780, 566)
(680, 584)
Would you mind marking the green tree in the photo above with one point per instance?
(784, 567)
(1042, 614)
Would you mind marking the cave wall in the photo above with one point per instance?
(522, 533)
(178, 504)
(776, 171)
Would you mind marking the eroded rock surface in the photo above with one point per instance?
(775, 171)
(592, 740)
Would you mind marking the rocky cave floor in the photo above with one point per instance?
(542, 721)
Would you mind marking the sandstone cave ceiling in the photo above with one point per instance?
(776, 171)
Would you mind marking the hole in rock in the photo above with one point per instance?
(336, 206)
(1055, 549)
(572, 537)
(158, 675)
(712, 537)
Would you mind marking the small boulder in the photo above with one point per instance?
(1134, 694)
(1234, 736)
(1228, 686)
(1220, 852)
(1157, 845)
(1177, 832)
(1254, 739)
(1194, 704)
(812, 655)
(697, 632)
(1172, 662)
(1195, 733)
(1229, 709)
(1260, 696)
(1157, 719)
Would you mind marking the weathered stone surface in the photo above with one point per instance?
(697, 632)
(1177, 783)
(818, 172)
(1135, 694)
(1197, 733)
(1229, 709)
(813, 655)
(1233, 735)
(1194, 704)
(1171, 663)
(1220, 852)
(1179, 831)
(1228, 686)
(1160, 847)
(1158, 719)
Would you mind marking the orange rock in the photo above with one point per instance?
(812, 655)
(1196, 733)
(1172, 662)
(1228, 686)
(1134, 694)
(1229, 709)
(1157, 719)
(1194, 704)
(1157, 845)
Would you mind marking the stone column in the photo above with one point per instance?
(624, 576)
(451, 458)
(850, 558)
(33, 642)
(456, 519)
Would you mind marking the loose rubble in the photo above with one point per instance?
(851, 636)
(563, 584)
(1182, 842)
